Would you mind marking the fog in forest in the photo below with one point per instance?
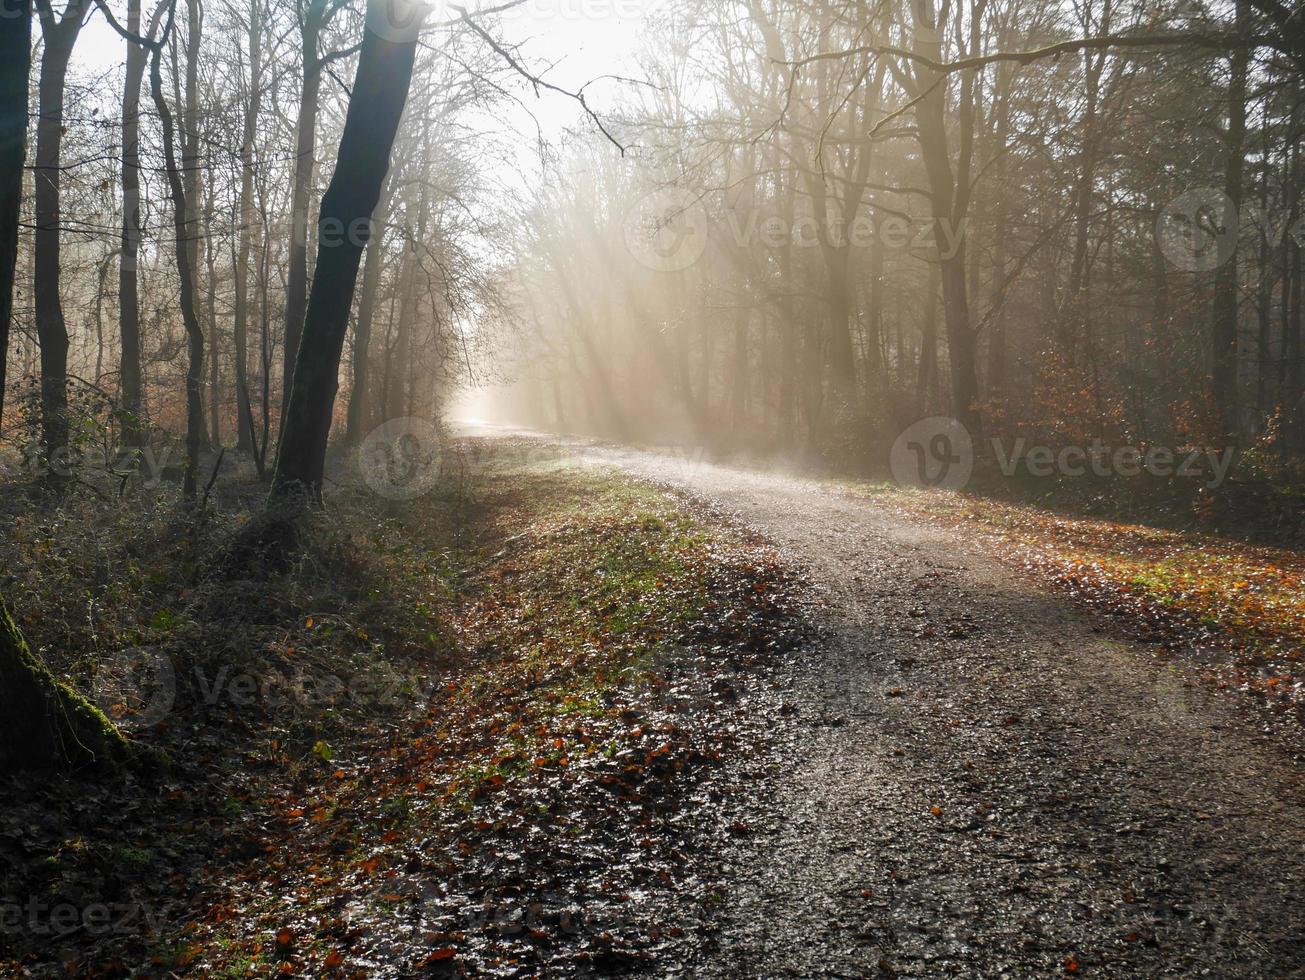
(772, 228)
(694, 488)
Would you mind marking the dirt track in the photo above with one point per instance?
(979, 783)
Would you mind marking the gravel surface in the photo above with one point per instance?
(974, 780)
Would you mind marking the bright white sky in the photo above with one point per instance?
(580, 39)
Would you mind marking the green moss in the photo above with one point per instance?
(44, 724)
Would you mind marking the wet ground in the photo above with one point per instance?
(973, 779)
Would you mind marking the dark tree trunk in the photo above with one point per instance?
(362, 335)
(788, 370)
(60, 36)
(876, 370)
(15, 67)
(949, 192)
(301, 189)
(45, 725)
(128, 266)
(1224, 323)
(185, 266)
(1291, 389)
(375, 108)
(1073, 312)
(214, 375)
(396, 392)
(739, 368)
(190, 173)
(244, 412)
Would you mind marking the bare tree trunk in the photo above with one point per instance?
(60, 36)
(1224, 323)
(1291, 390)
(375, 108)
(362, 336)
(788, 376)
(1264, 298)
(190, 134)
(186, 298)
(739, 369)
(301, 190)
(396, 391)
(15, 67)
(128, 264)
(927, 378)
(240, 327)
(876, 371)
(949, 200)
(1001, 245)
(707, 336)
(44, 725)
(214, 376)
(1070, 325)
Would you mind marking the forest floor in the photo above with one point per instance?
(593, 710)
(495, 730)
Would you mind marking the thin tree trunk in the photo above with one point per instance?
(927, 378)
(60, 37)
(1070, 324)
(301, 190)
(362, 336)
(1264, 304)
(1290, 374)
(1224, 322)
(15, 68)
(949, 201)
(739, 368)
(240, 326)
(129, 261)
(396, 391)
(186, 298)
(214, 376)
(190, 135)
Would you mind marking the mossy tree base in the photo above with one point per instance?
(46, 726)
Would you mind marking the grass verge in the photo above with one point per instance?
(1237, 610)
(480, 731)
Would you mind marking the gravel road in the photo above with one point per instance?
(979, 782)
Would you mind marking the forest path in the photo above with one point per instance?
(982, 783)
